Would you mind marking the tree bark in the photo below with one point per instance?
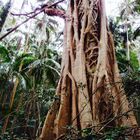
(90, 88)
(4, 14)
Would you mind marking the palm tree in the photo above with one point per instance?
(39, 72)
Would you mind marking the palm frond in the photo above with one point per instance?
(53, 69)
(22, 80)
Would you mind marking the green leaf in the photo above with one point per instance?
(134, 61)
(25, 59)
(4, 55)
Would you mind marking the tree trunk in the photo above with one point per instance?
(90, 92)
(4, 14)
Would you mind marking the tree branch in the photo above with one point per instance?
(41, 10)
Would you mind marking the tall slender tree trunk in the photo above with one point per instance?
(4, 13)
(90, 92)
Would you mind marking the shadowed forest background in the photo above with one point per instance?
(31, 66)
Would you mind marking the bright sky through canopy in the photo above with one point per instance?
(111, 6)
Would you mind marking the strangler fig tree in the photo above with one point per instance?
(89, 93)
